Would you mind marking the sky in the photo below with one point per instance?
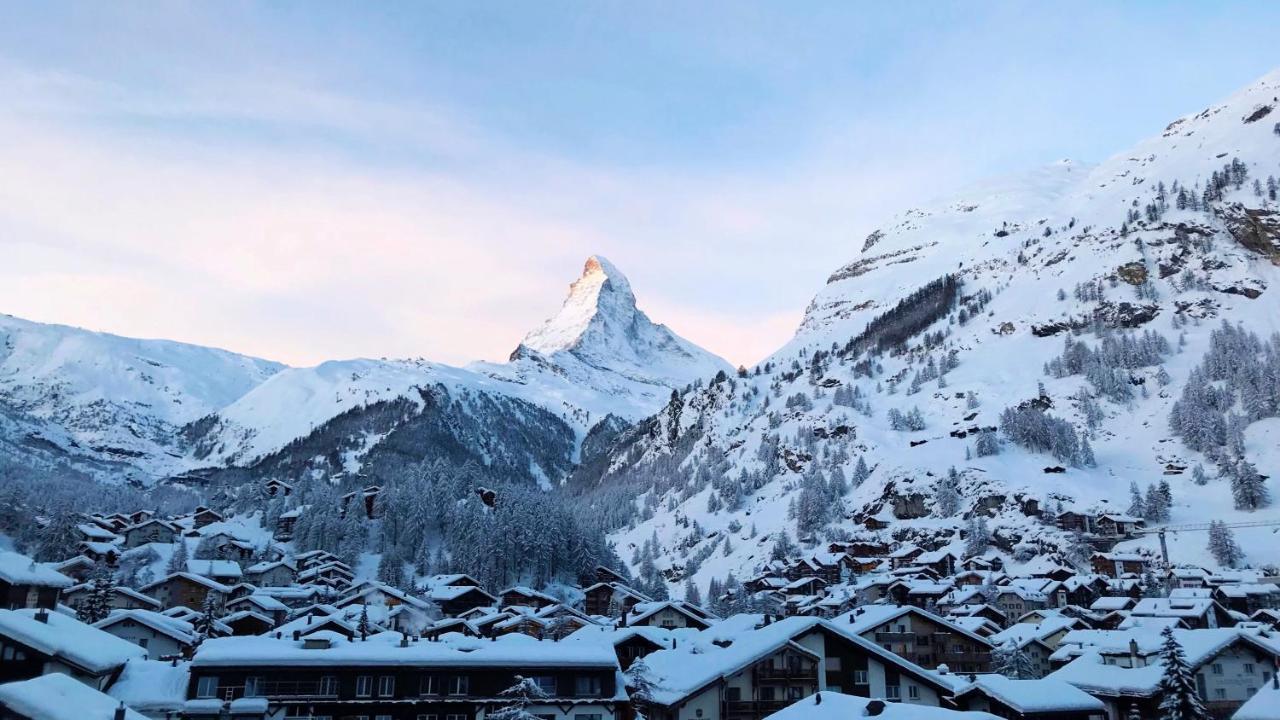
(306, 181)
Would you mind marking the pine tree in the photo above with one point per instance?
(518, 697)
(178, 560)
(204, 623)
(640, 685)
(860, 472)
(362, 626)
(978, 537)
(947, 495)
(1179, 698)
(58, 538)
(1013, 662)
(1248, 487)
(1137, 508)
(691, 592)
(1222, 544)
(391, 567)
(97, 603)
(1198, 475)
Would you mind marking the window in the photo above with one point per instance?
(207, 686)
(1217, 668)
(429, 717)
(586, 716)
(381, 717)
(386, 685)
(833, 664)
(766, 693)
(459, 685)
(733, 694)
(860, 677)
(586, 686)
(456, 717)
(1248, 668)
(893, 692)
(429, 685)
(546, 683)
(795, 693)
(142, 642)
(913, 692)
(1220, 693)
(364, 686)
(252, 687)
(329, 685)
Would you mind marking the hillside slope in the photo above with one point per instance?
(953, 312)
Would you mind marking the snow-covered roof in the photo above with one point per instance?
(60, 697)
(1109, 603)
(1264, 705)
(18, 569)
(869, 617)
(384, 649)
(152, 686)
(1034, 696)
(193, 577)
(68, 639)
(180, 630)
(214, 568)
(827, 705)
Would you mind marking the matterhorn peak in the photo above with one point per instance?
(600, 326)
(602, 288)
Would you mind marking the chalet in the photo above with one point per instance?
(987, 612)
(271, 574)
(602, 598)
(266, 606)
(314, 558)
(1118, 526)
(605, 575)
(746, 674)
(226, 546)
(122, 598)
(335, 574)
(227, 572)
(880, 521)
(550, 623)
(765, 583)
(525, 596)
(1247, 599)
(904, 556)
(1228, 665)
(1028, 699)
(37, 642)
(920, 637)
(26, 584)
(859, 548)
(160, 636)
(1014, 602)
(100, 552)
(56, 695)
(1072, 521)
(668, 614)
(1193, 613)
(325, 674)
(1187, 576)
(942, 562)
(284, 524)
(629, 643)
(1116, 565)
(186, 589)
(1267, 616)
(151, 530)
(248, 622)
(204, 516)
(78, 568)
(91, 532)
(277, 488)
(456, 599)
(368, 497)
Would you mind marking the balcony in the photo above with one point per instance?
(755, 709)
(895, 637)
(787, 673)
(952, 658)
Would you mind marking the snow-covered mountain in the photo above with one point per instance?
(108, 404)
(599, 356)
(948, 316)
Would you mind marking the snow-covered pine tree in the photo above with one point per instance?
(204, 622)
(1137, 506)
(1248, 487)
(178, 560)
(97, 602)
(58, 538)
(391, 567)
(640, 685)
(1222, 544)
(978, 536)
(518, 698)
(691, 593)
(946, 496)
(1179, 698)
(362, 625)
(1013, 662)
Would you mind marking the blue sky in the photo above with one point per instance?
(314, 180)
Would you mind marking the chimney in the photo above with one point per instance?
(874, 708)
(1133, 653)
(817, 698)
(943, 669)
(120, 712)
(296, 634)
(42, 616)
